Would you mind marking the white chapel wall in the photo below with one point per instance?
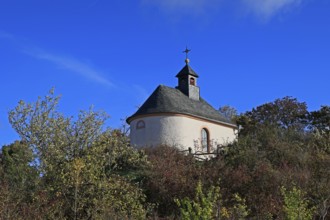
(178, 130)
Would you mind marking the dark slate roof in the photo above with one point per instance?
(170, 100)
(187, 70)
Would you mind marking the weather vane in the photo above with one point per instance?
(186, 51)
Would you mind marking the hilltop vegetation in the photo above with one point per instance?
(76, 168)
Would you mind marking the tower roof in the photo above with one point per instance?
(186, 70)
(170, 100)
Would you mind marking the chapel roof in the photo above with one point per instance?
(171, 100)
(186, 70)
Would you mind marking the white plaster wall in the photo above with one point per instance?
(179, 131)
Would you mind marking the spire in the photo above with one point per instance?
(186, 70)
(187, 79)
(186, 51)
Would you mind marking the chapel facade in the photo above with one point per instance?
(180, 117)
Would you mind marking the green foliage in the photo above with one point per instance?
(82, 164)
(203, 207)
(18, 180)
(209, 206)
(18, 172)
(295, 205)
(240, 209)
(76, 168)
(273, 149)
(258, 163)
(320, 119)
(285, 113)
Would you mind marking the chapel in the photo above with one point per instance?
(181, 118)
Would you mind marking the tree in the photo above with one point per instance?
(319, 182)
(295, 205)
(321, 119)
(286, 113)
(18, 181)
(76, 168)
(260, 161)
(228, 112)
(18, 172)
(80, 161)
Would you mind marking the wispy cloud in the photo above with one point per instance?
(265, 9)
(262, 9)
(71, 64)
(74, 65)
(10, 38)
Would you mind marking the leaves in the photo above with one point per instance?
(81, 163)
(295, 205)
(203, 207)
(77, 168)
(286, 113)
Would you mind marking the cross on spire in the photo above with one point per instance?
(187, 51)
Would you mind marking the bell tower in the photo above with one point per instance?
(187, 80)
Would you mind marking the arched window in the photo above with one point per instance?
(192, 81)
(205, 140)
(140, 124)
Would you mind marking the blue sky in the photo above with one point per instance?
(113, 54)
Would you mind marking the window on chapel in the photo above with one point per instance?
(140, 124)
(205, 140)
(192, 81)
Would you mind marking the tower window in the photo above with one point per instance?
(205, 140)
(192, 81)
(140, 124)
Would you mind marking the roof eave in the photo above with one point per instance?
(131, 118)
